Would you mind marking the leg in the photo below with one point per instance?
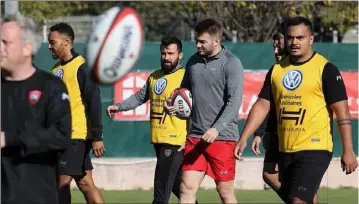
(223, 164)
(64, 189)
(194, 168)
(270, 172)
(85, 180)
(168, 163)
(308, 170)
(191, 180)
(270, 166)
(88, 188)
(316, 199)
(70, 163)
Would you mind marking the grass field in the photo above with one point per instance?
(332, 196)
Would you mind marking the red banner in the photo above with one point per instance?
(253, 82)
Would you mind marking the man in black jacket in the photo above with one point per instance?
(36, 118)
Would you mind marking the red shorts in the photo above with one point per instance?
(216, 159)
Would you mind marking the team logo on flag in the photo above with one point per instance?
(34, 96)
(168, 152)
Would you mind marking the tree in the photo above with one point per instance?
(344, 18)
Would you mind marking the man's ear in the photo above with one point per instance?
(66, 41)
(311, 39)
(180, 56)
(27, 50)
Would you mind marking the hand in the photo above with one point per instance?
(239, 148)
(255, 145)
(349, 162)
(171, 110)
(98, 148)
(2, 139)
(111, 110)
(210, 135)
(181, 148)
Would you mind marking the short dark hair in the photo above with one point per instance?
(168, 40)
(300, 20)
(65, 29)
(209, 25)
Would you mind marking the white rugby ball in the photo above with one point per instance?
(182, 98)
(114, 44)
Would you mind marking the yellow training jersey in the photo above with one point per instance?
(165, 128)
(68, 73)
(304, 121)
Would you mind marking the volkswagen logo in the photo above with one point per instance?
(160, 86)
(292, 80)
(60, 73)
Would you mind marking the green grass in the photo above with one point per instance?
(332, 196)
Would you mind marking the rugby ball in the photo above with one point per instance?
(114, 44)
(182, 98)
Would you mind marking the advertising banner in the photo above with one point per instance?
(253, 81)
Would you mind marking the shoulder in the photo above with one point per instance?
(231, 61)
(52, 82)
(319, 60)
(194, 59)
(156, 73)
(329, 69)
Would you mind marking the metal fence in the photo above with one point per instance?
(81, 25)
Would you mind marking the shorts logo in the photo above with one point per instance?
(60, 73)
(34, 96)
(168, 152)
(63, 163)
(292, 80)
(160, 86)
(223, 172)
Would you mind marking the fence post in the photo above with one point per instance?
(335, 36)
(44, 31)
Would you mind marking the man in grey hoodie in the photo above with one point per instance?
(215, 78)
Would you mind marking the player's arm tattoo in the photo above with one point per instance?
(345, 121)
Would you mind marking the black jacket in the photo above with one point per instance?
(36, 120)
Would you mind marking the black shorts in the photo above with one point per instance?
(301, 173)
(76, 159)
(271, 145)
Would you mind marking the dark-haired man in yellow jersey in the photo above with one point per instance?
(85, 102)
(168, 133)
(306, 89)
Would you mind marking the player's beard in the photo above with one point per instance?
(56, 53)
(169, 67)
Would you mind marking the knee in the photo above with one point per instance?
(64, 182)
(188, 188)
(267, 177)
(225, 190)
(85, 185)
(295, 200)
(271, 179)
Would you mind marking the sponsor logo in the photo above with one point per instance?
(160, 86)
(60, 73)
(292, 80)
(112, 71)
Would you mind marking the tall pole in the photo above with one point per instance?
(11, 7)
